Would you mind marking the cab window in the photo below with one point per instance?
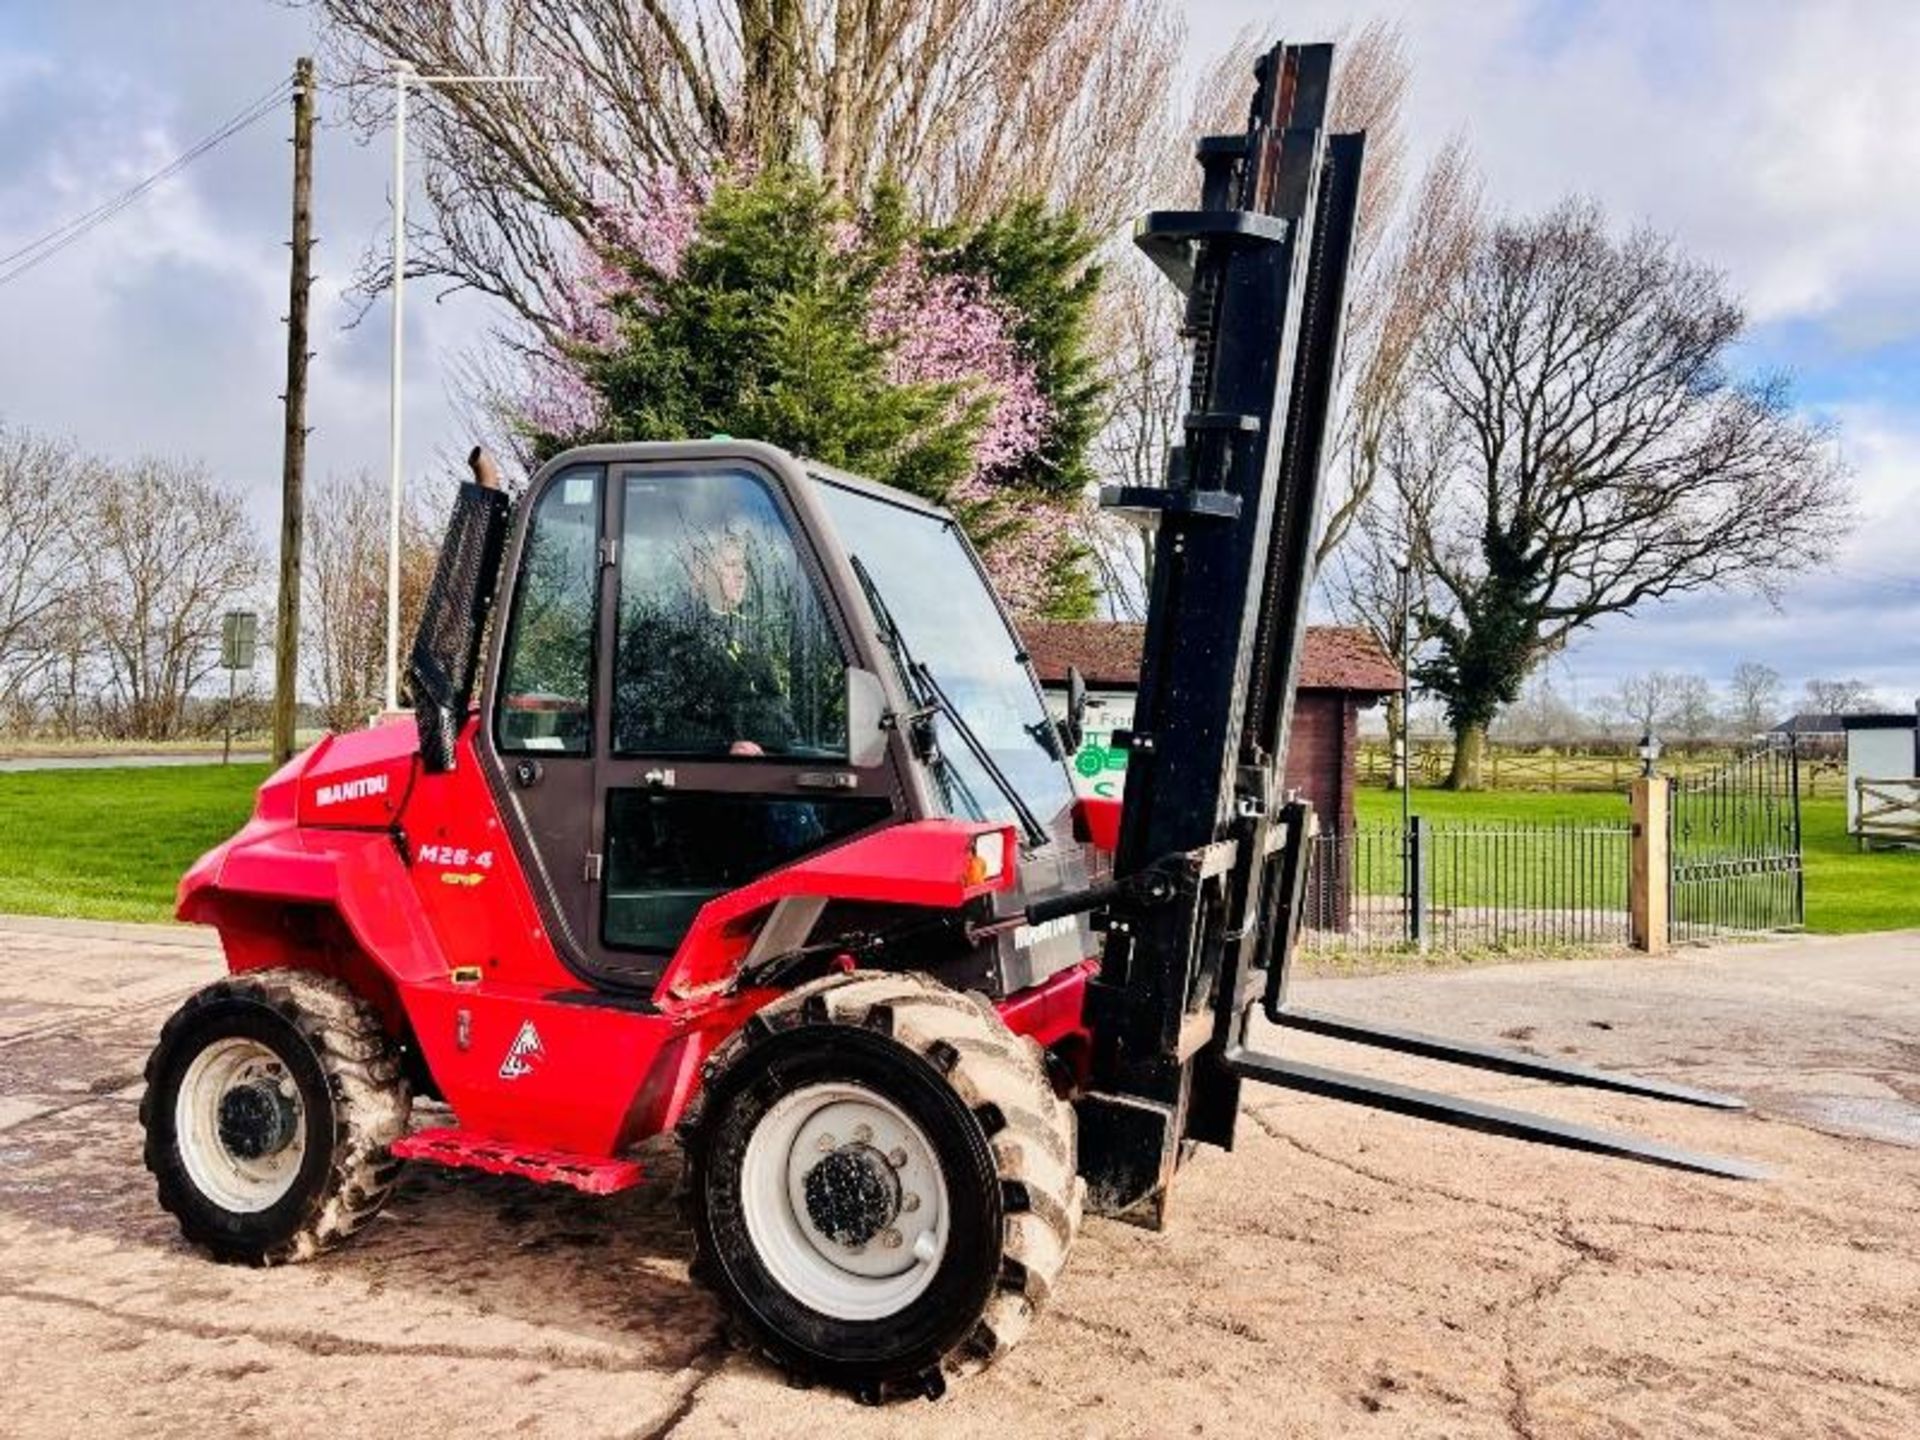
(545, 700)
(722, 647)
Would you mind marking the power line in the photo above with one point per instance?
(36, 252)
(81, 223)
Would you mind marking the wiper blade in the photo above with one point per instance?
(889, 628)
(1028, 820)
(926, 693)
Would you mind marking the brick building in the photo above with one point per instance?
(1341, 673)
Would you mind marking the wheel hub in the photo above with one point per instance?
(845, 1201)
(256, 1120)
(240, 1125)
(852, 1195)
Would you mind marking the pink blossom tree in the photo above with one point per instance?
(935, 329)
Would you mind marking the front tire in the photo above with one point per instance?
(271, 1101)
(882, 1183)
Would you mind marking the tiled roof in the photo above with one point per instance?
(1810, 722)
(1107, 653)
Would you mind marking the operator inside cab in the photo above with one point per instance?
(707, 622)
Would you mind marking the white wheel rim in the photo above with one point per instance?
(869, 1281)
(234, 1182)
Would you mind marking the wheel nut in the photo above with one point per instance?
(909, 1202)
(890, 1239)
(827, 1143)
(862, 1134)
(897, 1158)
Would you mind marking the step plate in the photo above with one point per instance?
(461, 1149)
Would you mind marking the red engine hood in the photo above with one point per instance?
(358, 780)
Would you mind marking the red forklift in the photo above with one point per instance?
(731, 808)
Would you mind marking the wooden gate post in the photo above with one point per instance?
(1647, 867)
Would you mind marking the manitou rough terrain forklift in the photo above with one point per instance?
(760, 832)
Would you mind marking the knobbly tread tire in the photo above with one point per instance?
(1002, 1079)
(367, 1100)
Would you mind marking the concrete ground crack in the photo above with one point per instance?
(91, 1019)
(706, 1365)
(1519, 1409)
(1397, 1182)
(320, 1342)
(1426, 1187)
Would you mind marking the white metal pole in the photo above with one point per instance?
(404, 74)
(400, 77)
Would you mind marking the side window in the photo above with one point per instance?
(546, 691)
(722, 647)
(667, 855)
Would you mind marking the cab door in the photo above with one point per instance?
(726, 727)
(704, 740)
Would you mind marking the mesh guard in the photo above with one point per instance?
(446, 648)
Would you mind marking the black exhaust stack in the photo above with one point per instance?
(446, 649)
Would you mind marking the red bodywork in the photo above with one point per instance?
(360, 864)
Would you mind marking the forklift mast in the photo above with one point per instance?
(1263, 265)
(1206, 828)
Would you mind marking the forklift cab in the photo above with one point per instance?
(711, 659)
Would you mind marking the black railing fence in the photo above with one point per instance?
(1734, 848)
(1468, 886)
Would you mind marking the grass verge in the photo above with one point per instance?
(111, 844)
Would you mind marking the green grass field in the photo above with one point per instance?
(111, 844)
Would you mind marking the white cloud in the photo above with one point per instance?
(1778, 139)
(162, 330)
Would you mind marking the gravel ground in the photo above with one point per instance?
(1341, 1273)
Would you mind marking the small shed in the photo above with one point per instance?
(1884, 747)
(1342, 671)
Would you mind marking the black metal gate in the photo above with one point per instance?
(1734, 848)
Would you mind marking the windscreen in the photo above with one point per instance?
(951, 625)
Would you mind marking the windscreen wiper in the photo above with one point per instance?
(928, 697)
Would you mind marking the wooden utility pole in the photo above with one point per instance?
(293, 467)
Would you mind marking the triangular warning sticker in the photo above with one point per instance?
(526, 1049)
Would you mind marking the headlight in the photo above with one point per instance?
(986, 858)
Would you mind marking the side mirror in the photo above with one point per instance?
(867, 719)
(1073, 728)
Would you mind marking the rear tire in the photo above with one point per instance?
(271, 1101)
(881, 1182)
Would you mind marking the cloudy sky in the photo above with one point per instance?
(1779, 139)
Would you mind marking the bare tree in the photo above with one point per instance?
(1541, 715)
(966, 103)
(1643, 700)
(1605, 455)
(1754, 694)
(168, 551)
(1692, 713)
(1145, 376)
(1839, 697)
(1396, 290)
(344, 605)
(41, 483)
(1377, 579)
